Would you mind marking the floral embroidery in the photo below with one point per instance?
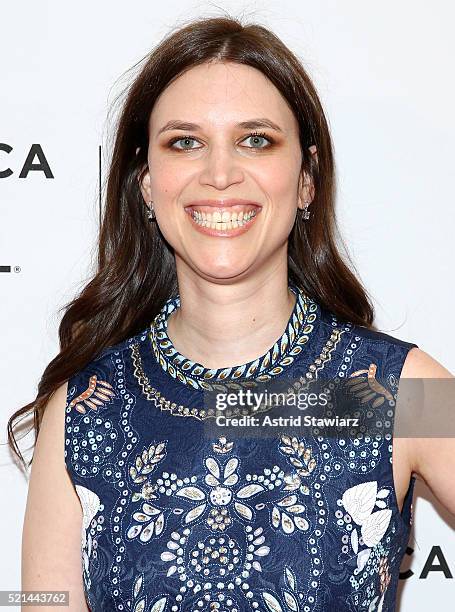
(149, 521)
(290, 595)
(139, 599)
(384, 574)
(299, 456)
(359, 502)
(222, 499)
(91, 528)
(217, 495)
(281, 515)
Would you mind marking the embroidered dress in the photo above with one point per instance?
(174, 520)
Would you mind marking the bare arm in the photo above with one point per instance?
(51, 537)
(433, 459)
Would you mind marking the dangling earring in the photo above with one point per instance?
(305, 211)
(151, 213)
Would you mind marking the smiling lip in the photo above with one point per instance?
(239, 202)
(234, 205)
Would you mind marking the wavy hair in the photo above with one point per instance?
(135, 269)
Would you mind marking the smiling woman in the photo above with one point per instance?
(218, 272)
(248, 180)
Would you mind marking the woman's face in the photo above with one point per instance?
(207, 178)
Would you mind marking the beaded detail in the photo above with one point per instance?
(281, 355)
(152, 394)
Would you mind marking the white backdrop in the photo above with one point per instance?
(384, 71)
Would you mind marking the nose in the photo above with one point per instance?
(221, 168)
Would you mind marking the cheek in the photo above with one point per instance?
(279, 167)
(167, 179)
(280, 182)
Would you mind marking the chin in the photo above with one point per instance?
(223, 274)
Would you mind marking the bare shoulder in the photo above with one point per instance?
(431, 458)
(419, 364)
(51, 536)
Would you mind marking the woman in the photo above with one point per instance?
(218, 247)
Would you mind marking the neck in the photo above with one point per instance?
(220, 325)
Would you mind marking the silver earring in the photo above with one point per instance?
(151, 213)
(305, 211)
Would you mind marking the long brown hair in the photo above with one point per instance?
(135, 271)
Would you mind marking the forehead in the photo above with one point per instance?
(221, 93)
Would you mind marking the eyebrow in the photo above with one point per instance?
(250, 124)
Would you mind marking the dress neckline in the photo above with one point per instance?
(273, 362)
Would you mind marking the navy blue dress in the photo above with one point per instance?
(174, 520)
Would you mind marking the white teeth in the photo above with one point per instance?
(224, 220)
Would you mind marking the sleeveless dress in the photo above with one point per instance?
(176, 521)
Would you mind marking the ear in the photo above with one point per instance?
(144, 182)
(306, 186)
(314, 153)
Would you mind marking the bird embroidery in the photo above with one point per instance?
(97, 393)
(367, 387)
